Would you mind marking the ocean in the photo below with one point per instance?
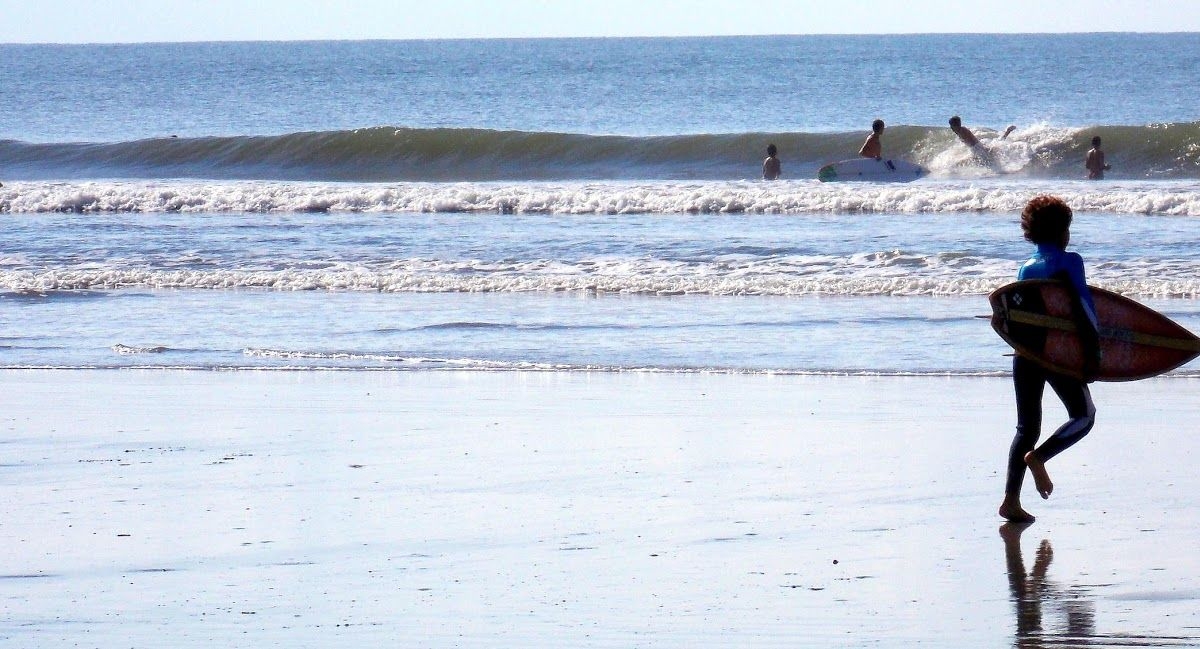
(574, 205)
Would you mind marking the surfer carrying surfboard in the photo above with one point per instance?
(1046, 222)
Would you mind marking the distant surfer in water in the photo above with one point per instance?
(969, 138)
(1046, 222)
(873, 148)
(1095, 161)
(771, 166)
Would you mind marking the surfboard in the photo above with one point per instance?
(1136, 342)
(871, 169)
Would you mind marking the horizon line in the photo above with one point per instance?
(593, 37)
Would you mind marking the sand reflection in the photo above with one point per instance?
(1073, 616)
(1051, 614)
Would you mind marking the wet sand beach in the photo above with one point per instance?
(472, 509)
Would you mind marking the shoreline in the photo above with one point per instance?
(189, 508)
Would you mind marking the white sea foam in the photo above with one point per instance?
(862, 275)
(138, 349)
(402, 362)
(1172, 198)
(880, 273)
(51, 281)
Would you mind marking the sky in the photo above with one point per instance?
(134, 21)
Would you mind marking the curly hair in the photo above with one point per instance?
(1045, 219)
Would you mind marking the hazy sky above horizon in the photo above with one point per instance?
(126, 21)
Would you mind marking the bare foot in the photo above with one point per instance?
(1040, 477)
(1015, 514)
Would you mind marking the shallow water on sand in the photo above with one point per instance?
(602, 510)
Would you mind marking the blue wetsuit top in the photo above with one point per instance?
(1052, 262)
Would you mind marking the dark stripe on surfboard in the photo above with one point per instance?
(1114, 333)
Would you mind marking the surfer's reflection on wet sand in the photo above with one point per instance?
(1031, 591)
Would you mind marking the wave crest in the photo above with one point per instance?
(462, 154)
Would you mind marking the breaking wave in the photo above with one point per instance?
(1174, 198)
(389, 154)
(894, 276)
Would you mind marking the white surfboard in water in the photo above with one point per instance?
(872, 170)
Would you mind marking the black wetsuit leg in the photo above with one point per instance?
(1077, 398)
(1029, 383)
